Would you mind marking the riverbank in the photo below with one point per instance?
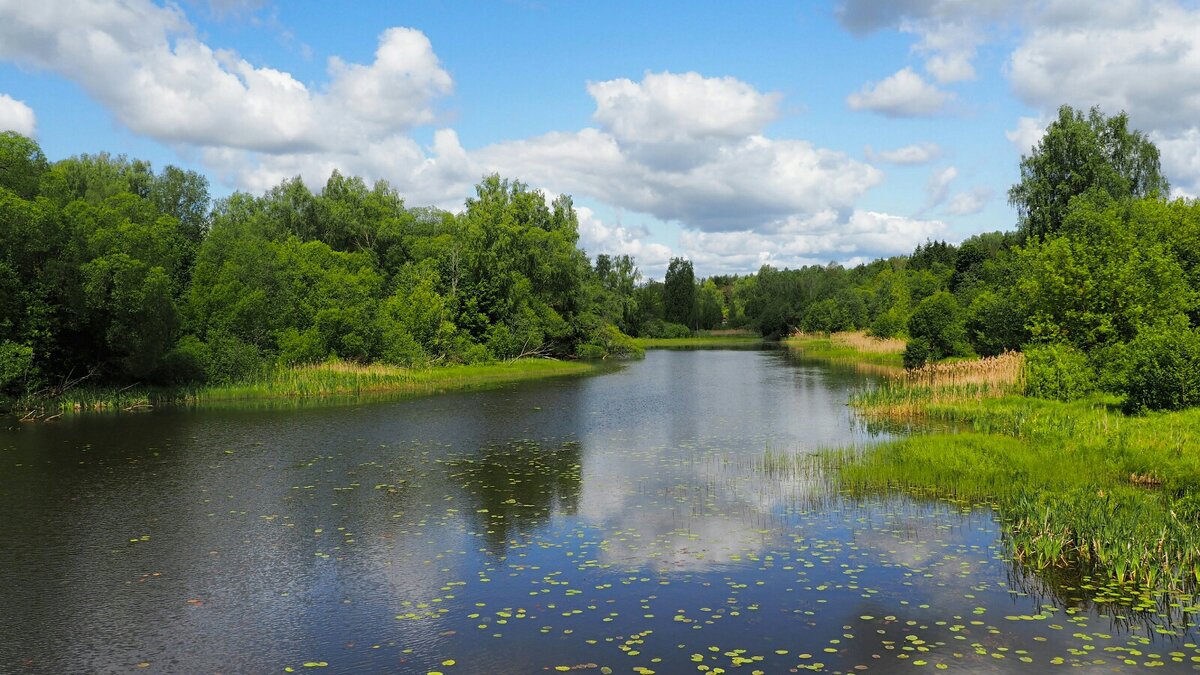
(850, 347)
(715, 339)
(330, 379)
(1079, 485)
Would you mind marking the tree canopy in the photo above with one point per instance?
(1078, 153)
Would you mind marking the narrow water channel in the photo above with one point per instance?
(635, 521)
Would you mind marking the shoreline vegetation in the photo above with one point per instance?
(1081, 487)
(702, 339)
(324, 380)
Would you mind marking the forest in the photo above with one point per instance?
(116, 274)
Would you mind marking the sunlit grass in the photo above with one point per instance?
(850, 347)
(907, 394)
(1079, 484)
(333, 378)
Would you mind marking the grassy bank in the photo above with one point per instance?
(1079, 486)
(311, 381)
(857, 347)
(702, 340)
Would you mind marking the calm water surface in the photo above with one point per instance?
(628, 521)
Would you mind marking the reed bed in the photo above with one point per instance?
(869, 344)
(910, 393)
(1079, 485)
(855, 348)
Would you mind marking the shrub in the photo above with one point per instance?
(917, 353)
(606, 342)
(16, 363)
(1059, 372)
(994, 324)
(938, 320)
(665, 329)
(1162, 370)
(888, 324)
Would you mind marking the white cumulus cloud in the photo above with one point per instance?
(146, 65)
(596, 236)
(16, 116)
(902, 94)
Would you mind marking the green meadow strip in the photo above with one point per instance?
(302, 382)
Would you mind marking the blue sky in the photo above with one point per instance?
(734, 134)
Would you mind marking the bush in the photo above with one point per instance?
(1059, 372)
(665, 329)
(608, 342)
(226, 359)
(888, 324)
(1162, 371)
(994, 324)
(917, 353)
(185, 363)
(16, 363)
(938, 321)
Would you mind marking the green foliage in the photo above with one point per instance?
(1162, 369)
(918, 352)
(709, 306)
(16, 364)
(22, 164)
(679, 292)
(936, 330)
(1107, 275)
(1079, 153)
(609, 342)
(657, 328)
(1059, 372)
(888, 324)
(994, 323)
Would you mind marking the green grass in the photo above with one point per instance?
(826, 349)
(1078, 485)
(698, 341)
(304, 382)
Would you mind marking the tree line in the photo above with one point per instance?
(112, 271)
(1099, 284)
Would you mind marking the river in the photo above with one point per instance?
(647, 519)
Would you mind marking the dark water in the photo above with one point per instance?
(629, 521)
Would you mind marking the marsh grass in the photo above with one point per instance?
(851, 347)
(1078, 485)
(329, 379)
(910, 393)
(339, 378)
